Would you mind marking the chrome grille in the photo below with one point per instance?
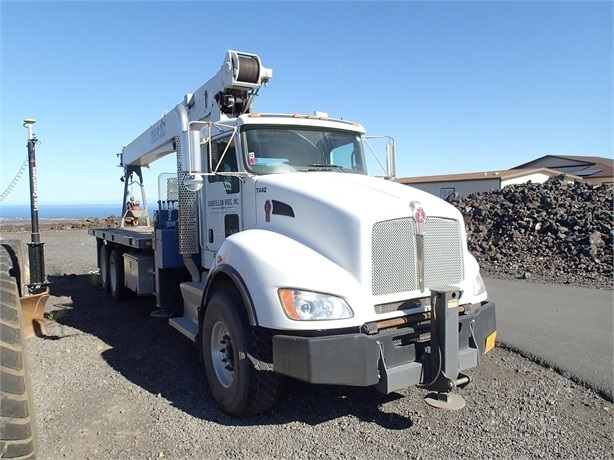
(402, 305)
(443, 255)
(394, 255)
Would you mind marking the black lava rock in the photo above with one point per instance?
(557, 232)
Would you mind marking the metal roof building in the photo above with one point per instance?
(467, 183)
(596, 170)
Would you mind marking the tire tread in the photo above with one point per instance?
(17, 431)
(263, 385)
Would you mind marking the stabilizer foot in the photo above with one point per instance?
(448, 401)
(159, 313)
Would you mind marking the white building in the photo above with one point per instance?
(468, 183)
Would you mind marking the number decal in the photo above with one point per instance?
(260, 189)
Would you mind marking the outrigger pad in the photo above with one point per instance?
(448, 401)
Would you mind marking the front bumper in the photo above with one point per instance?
(391, 359)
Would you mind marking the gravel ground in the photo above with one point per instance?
(112, 382)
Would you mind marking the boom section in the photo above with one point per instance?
(228, 94)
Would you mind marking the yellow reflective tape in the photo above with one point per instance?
(490, 342)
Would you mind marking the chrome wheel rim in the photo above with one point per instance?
(222, 354)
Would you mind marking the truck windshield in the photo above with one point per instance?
(279, 149)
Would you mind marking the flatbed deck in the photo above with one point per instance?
(138, 237)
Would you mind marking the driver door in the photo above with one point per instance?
(223, 197)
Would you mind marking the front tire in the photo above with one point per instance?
(237, 357)
(17, 428)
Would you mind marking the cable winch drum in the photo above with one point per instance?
(249, 70)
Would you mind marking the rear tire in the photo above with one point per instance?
(103, 258)
(237, 358)
(17, 428)
(116, 275)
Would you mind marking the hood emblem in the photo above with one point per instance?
(419, 216)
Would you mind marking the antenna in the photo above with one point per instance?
(35, 247)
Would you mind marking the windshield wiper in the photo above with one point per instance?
(323, 167)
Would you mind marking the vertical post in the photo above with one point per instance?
(444, 350)
(445, 305)
(35, 247)
(391, 168)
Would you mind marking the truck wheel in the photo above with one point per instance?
(103, 257)
(116, 275)
(17, 429)
(236, 356)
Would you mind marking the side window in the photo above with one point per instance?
(224, 160)
(446, 192)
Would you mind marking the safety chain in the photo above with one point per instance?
(13, 183)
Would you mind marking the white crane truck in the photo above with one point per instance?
(276, 253)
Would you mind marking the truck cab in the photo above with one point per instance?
(240, 161)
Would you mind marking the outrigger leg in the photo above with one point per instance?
(444, 351)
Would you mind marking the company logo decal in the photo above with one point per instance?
(420, 217)
(158, 131)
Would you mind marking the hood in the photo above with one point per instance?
(334, 213)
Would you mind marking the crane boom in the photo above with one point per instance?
(228, 94)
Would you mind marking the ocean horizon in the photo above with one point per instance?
(61, 211)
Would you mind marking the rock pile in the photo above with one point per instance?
(96, 222)
(557, 232)
(24, 226)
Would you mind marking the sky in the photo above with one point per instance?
(460, 86)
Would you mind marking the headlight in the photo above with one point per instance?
(478, 285)
(313, 306)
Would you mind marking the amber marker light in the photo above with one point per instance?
(313, 306)
(287, 302)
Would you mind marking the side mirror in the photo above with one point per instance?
(391, 169)
(193, 184)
